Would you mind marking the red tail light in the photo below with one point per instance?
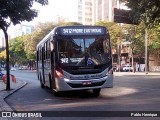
(59, 74)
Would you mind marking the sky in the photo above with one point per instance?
(62, 8)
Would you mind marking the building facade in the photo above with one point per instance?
(21, 30)
(85, 12)
(92, 11)
(15, 31)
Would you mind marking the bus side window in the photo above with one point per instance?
(40, 53)
(52, 51)
(37, 55)
(48, 50)
(45, 57)
(43, 51)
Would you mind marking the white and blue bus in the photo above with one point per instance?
(75, 58)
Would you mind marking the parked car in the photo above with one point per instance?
(22, 68)
(127, 68)
(13, 69)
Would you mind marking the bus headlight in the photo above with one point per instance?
(66, 79)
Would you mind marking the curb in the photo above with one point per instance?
(136, 73)
(6, 107)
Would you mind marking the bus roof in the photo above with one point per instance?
(75, 30)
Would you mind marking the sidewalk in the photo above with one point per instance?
(136, 73)
(4, 94)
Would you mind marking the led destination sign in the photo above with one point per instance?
(83, 31)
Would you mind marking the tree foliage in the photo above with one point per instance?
(145, 10)
(31, 40)
(3, 55)
(15, 11)
(154, 40)
(68, 23)
(136, 34)
(115, 32)
(17, 53)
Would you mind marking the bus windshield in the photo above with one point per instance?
(84, 52)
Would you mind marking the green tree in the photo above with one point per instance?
(136, 39)
(31, 40)
(147, 12)
(15, 11)
(68, 23)
(154, 40)
(17, 53)
(115, 32)
(144, 10)
(3, 55)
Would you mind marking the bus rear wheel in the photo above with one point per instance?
(55, 93)
(41, 83)
(96, 92)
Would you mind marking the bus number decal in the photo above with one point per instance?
(64, 60)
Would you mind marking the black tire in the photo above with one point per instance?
(55, 93)
(96, 92)
(50, 81)
(42, 85)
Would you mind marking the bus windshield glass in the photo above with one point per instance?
(84, 52)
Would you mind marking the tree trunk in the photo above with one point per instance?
(7, 59)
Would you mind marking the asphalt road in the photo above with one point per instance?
(130, 93)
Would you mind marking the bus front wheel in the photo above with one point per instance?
(96, 92)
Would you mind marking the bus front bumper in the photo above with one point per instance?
(64, 84)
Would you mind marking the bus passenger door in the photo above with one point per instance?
(52, 60)
(47, 64)
(42, 65)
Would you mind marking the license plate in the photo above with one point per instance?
(87, 83)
